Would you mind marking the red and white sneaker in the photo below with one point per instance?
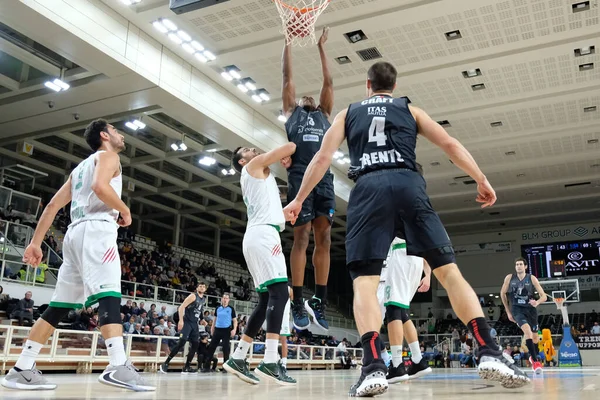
(537, 367)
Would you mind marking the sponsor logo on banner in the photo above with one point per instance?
(588, 342)
(568, 354)
(550, 233)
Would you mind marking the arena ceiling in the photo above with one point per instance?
(533, 128)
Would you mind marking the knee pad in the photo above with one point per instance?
(258, 315)
(53, 315)
(109, 311)
(439, 257)
(278, 298)
(393, 313)
(365, 268)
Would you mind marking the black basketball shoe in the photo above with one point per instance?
(372, 381)
(417, 370)
(500, 367)
(397, 374)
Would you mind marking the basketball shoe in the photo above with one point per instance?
(316, 309)
(274, 372)
(301, 321)
(536, 366)
(26, 379)
(397, 374)
(163, 368)
(125, 376)
(284, 375)
(372, 381)
(240, 369)
(417, 370)
(187, 370)
(500, 367)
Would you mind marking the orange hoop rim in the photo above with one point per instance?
(559, 300)
(301, 10)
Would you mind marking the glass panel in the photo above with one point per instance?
(4, 197)
(21, 202)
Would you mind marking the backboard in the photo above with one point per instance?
(567, 289)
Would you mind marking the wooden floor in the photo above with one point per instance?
(441, 385)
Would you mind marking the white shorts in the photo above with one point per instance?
(404, 276)
(285, 322)
(381, 298)
(264, 256)
(91, 267)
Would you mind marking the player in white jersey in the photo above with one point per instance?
(91, 269)
(403, 279)
(266, 263)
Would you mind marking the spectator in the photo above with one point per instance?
(127, 309)
(491, 313)
(29, 219)
(10, 214)
(163, 312)
(141, 309)
(24, 311)
(142, 319)
(93, 324)
(129, 327)
(240, 282)
(595, 329)
(582, 330)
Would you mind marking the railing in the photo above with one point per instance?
(88, 347)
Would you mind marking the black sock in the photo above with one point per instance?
(532, 349)
(481, 333)
(321, 293)
(371, 344)
(297, 292)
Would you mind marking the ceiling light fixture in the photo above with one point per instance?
(196, 45)
(226, 76)
(175, 38)
(184, 36)
(131, 126)
(130, 2)
(264, 95)
(496, 124)
(211, 150)
(209, 55)
(174, 146)
(242, 87)
(479, 86)
(230, 171)
(200, 57)
(188, 48)
(249, 83)
(592, 141)
(585, 51)
(586, 67)
(471, 73)
(58, 85)
(168, 24)
(208, 161)
(590, 109)
(233, 71)
(453, 35)
(159, 26)
(256, 98)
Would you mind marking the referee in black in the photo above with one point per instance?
(223, 329)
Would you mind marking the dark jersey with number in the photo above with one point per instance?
(381, 134)
(521, 290)
(306, 129)
(194, 310)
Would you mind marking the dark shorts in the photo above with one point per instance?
(381, 205)
(190, 332)
(526, 315)
(319, 203)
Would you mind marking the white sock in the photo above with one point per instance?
(116, 351)
(284, 362)
(241, 351)
(396, 355)
(30, 351)
(271, 355)
(385, 356)
(415, 352)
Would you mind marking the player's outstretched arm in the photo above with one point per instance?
(288, 87)
(504, 297)
(459, 155)
(258, 164)
(319, 165)
(540, 290)
(326, 97)
(33, 254)
(107, 165)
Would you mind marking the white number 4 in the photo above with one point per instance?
(377, 131)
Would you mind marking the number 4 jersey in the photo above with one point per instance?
(381, 134)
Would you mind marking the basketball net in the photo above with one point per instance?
(298, 18)
(562, 307)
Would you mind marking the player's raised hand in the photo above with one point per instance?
(486, 194)
(292, 211)
(286, 162)
(324, 36)
(33, 255)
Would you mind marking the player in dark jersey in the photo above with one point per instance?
(381, 133)
(190, 313)
(521, 287)
(306, 125)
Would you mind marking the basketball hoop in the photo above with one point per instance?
(560, 302)
(298, 18)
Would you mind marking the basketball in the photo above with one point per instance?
(299, 23)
